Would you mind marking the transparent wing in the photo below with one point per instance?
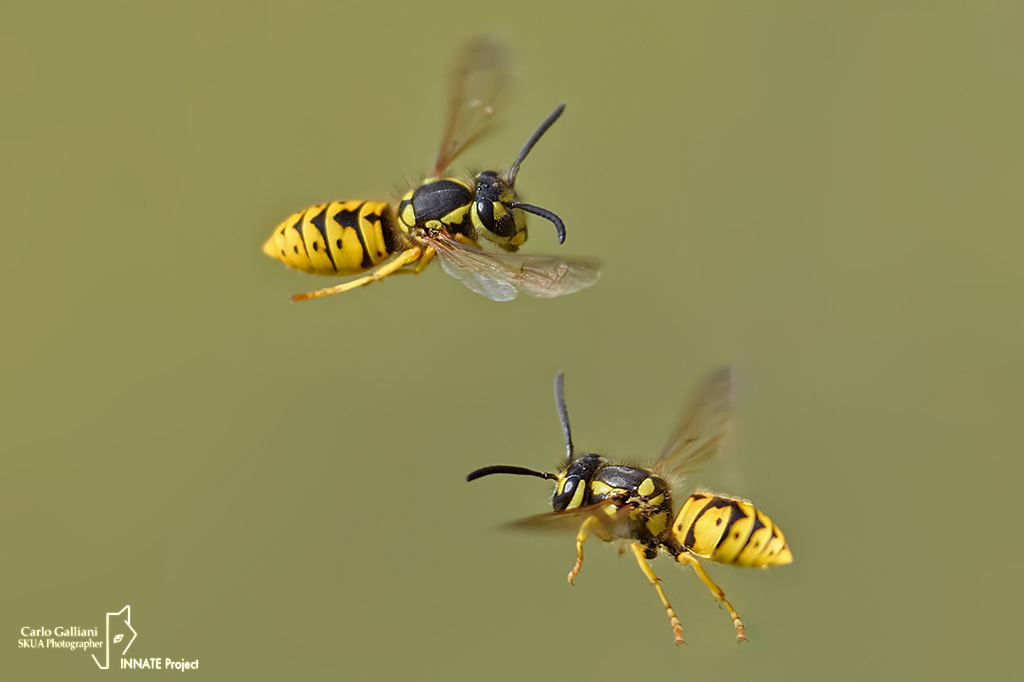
(478, 83)
(502, 276)
(613, 517)
(702, 429)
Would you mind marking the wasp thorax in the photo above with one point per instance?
(436, 204)
(493, 213)
(574, 483)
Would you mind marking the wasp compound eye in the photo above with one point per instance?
(492, 206)
(573, 492)
(561, 500)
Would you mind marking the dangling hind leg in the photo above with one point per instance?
(406, 257)
(641, 558)
(686, 558)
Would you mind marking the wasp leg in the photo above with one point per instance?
(467, 241)
(425, 258)
(580, 539)
(428, 255)
(404, 258)
(641, 558)
(685, 558)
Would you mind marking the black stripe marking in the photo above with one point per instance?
(764, 554)
(735, 514)
(387, 230)
(320, 223)
(714, 503)
(298, 228)
(753, 531)
(372, 217)
(347, 218)
(771, 540)
(375, 218)
(366, 262)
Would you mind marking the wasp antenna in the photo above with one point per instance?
(505, 469)
(543, 213)
(532, 141)
(563, 415)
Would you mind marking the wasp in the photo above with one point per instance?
(633, 505)
(444, 217)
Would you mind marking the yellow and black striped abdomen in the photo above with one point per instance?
(730, 531)
(339, 238)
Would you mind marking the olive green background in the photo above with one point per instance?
(826, 195)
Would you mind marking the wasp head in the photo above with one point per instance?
(497, 212)
(573, 488)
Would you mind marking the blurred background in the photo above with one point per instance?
(826, 197)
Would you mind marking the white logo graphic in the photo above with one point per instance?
(120, 624)
(119, 636)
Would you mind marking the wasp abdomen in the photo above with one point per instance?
(339, 238)
(730, 531)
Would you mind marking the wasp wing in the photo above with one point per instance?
(478, 82)
(702, 429)
(612, 517)
(503, 276)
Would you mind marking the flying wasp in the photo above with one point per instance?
(443, 216)
(634, 505)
